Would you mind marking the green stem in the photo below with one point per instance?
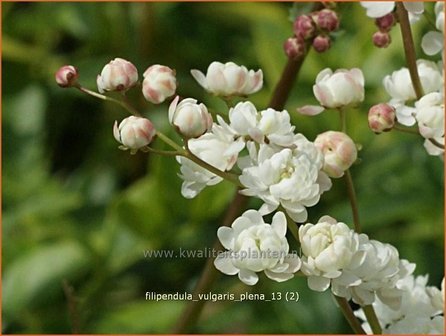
(170, 142)
(343, 119)
(163, 152)
(353, 200)
(349, 315)
(409, 48)
(372, 319)
(121, 103)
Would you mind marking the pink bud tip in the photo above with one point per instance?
(304, 27)
(386, 22)
(381, 118)
(66, 76)
(326, 19)
(294, 47)
(381, 39)
(321, 43)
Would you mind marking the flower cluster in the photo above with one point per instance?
(433, 42)
(428, 111)
(420, 312)
(353, 265)
(315, 28)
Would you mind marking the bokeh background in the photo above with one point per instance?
(78, 213)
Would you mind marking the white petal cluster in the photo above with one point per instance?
(356, 268)
(290, 177)
(217, 148)
(159, 83)
(433, 42)
(134, 133)
(229, 79)
(420, 312)
(118, 75)
(255, 246)
(268, 126)
(377, 9)
(344, 87)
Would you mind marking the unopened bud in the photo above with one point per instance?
(339, 152)
(381, 39)
(134, 133)
(386, 22)
(326, 19)
(117, 75)
(381, 118)
(294, 47)
(190, 119)
(321, 43)
(66, 76)
(159, 83)
(304, 27)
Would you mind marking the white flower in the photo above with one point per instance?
(134, 133)
(229, 79)
(190, 118)
(377, 9)
(430, 115)
(433, 42)
(159, 83)
(339, 152)
(217, 148)
(117, 75)
(291, 178)
(418, 312)
(334, 90)
(268, 126)
(255, 246)
(399, 85)
(329, 251)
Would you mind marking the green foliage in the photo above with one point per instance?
(76, 209)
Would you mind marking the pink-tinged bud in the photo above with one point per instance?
(304, 27)
(381, 118)
(386, 22)
(66, 76)
(159, 83)
(190, 119)
(321, 43)
(117, 75)
(294, 47)
(134, 133)
(326, 19)
(339, 152)
(381, 39)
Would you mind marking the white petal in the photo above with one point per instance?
(248, 277)
(376, 9)
(279, 277)
(432, 43)
(224, 264)
(199, 77)
(310, 110)
(173, 107)
(318, 284)
(415, 7)
(226, 236)
(279, 223)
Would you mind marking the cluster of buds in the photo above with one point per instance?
(314, 27)
(381, 38)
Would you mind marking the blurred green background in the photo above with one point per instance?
(78, 211)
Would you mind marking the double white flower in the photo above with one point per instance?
(290, 177)
(254, 246)
(229, 79)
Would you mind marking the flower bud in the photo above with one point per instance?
(117, 75)
(326, 19)
(304, 27)
(339, 152)
(321, 43)
(294, 47)
(381, 39)
(386, 22)
(341, 88)
(134, 133)
(66, 76)
(159, 83)
(191, 119)
(381, 118)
